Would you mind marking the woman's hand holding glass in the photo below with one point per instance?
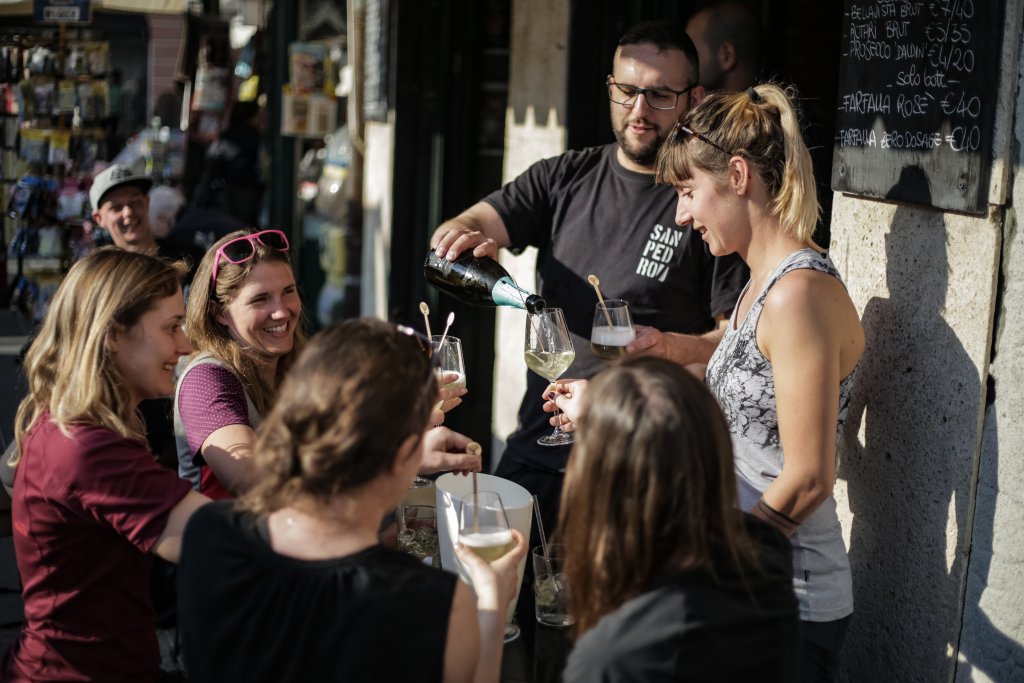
(449, 396)
(565, 400)
(451, 373)
(451, 381)
(484, 532)
(495, 582)
(549, 352)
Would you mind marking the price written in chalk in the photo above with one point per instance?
(915, 90)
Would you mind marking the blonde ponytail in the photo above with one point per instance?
(796, 204)
(760, 124)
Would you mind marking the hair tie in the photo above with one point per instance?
(755, 97)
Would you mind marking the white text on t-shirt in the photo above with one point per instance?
(658, 252)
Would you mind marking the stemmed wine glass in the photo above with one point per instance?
(449, 355)
(549, 353)
(448, 352)
(613, 329)
(484, 529)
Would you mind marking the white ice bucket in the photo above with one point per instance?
(451, 488)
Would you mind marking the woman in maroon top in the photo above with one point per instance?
(90, 501)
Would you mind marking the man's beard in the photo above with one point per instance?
(644, 155)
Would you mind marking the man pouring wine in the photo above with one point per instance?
(598, 210)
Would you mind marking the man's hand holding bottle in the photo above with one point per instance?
(479, 228)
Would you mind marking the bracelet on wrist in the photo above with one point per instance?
(779, 518)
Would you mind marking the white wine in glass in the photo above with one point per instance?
(613, 329)
(484, 529)
(549, 353)
(483, 525)
(449, 360)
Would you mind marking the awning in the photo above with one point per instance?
(17, 7)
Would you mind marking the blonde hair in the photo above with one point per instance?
(761, 125)
(69, 370)
(208, 335)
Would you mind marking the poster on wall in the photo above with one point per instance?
(307, 115)
(63, 11)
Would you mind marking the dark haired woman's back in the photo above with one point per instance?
(252, 614)
(696, 626)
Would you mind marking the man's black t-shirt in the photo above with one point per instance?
(587, 214)
(701, 627)
(247, 613)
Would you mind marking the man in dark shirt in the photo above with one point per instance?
(598, 211)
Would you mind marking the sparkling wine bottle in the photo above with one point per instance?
(478, 281)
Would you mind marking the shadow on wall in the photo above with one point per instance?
(984, 649)
(909, 484)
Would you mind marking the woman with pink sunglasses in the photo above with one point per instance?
(245, 323)
(244, 318)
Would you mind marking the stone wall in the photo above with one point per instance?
(924, 282)
(930, 476)
(992, 641)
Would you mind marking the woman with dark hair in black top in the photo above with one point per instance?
(670, 581)
(290, 583)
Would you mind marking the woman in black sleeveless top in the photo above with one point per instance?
(291, 584)
(671, 583)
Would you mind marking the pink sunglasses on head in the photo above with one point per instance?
(243, 248)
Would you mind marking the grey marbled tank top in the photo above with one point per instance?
(741, 378)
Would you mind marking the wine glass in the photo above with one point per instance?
(484, 529)
(612, 330)
(448, 352)
(449, 360)
(549, 353)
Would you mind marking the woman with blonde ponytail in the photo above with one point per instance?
(784, 369)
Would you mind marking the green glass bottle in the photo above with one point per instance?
(478, 281)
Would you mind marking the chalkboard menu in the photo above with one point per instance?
(917, 91)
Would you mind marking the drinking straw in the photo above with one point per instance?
(440, 344)
(451, 319)
(592, 279)
(473, 448)
(544, 542)
(425, 310)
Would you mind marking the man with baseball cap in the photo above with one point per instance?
(120, 205)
